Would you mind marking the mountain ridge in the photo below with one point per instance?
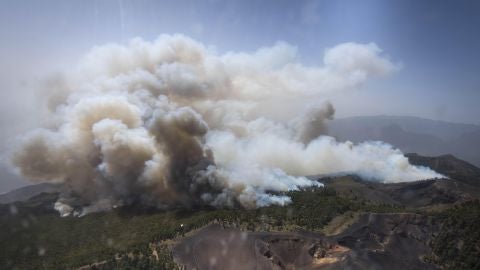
(412, 134)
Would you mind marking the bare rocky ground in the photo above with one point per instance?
(215, 247)
(351, 241)
(374, 241)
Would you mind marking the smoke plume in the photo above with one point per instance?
(171, 122)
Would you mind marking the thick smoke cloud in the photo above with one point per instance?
(171, 122)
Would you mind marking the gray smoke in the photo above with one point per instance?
(171, 122)
(312, 123)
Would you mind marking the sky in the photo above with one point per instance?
(436, 43)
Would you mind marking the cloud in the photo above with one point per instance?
(169, 122)
(355, 59)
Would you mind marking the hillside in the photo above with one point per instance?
(350, 223)
(27, 192)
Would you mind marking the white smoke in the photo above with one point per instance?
(171, 122)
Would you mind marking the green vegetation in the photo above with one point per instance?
(138, 238)
(162, 260)
(40, 239)
(457, 244)
(47, 241)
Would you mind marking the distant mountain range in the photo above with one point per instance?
(412, 134)
(25, 193)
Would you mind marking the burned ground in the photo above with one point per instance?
(349, 223)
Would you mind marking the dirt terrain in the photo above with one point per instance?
(215, 247)
(374, 241)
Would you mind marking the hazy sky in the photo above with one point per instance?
(436, 42)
